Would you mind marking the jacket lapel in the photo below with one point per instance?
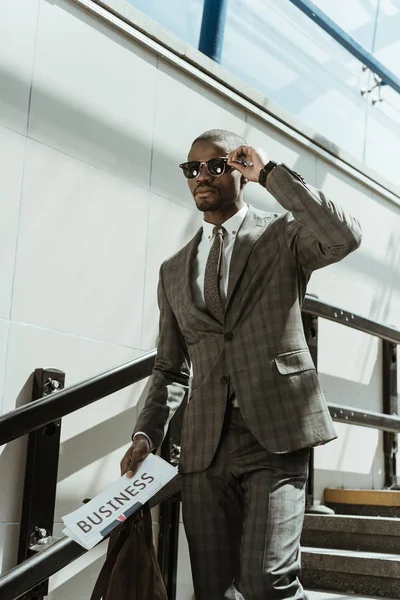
(186, 282)
(252, 227)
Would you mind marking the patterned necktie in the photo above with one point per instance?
(212, 274)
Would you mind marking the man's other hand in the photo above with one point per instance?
(138, 451)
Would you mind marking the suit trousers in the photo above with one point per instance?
(243, 518)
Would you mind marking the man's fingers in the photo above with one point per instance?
(241, 153)
(133, 465)
(137, 452)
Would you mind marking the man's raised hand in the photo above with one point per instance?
(255, 158)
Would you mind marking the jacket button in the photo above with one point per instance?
(228, 336)
(224, 379)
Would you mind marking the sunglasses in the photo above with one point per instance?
(215, 167)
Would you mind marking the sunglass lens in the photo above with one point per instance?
(191, 169)
(216, 166)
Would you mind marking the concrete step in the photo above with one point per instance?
(323, 595)
(375, 503)
(349, 532)
(363, 573)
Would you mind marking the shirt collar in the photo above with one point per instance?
(232, 225)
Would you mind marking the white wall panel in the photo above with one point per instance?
(280, 149)
(93, 440)
(81, 252)
(4, 325)
(382, 146)
(9, 533)
(17, 46)
(342, 284)
(93, 93)
(171, 226)
(349, 361)
(184, 110)
(12, 146)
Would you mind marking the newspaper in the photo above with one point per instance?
(93, 521)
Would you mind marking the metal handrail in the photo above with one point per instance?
(41, 566)
(58, 555)
(21, 421)
(350, 319)
(49, 408)
(364, 418)
(349, 43)
(45, 410)
(30, 573)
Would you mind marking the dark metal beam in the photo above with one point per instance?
(50, 408)
(39, 496)
(333, 313)
(45, 410)
(212, 28)
(349, 43)
(310, 325)
(40, 567)
(364, 418)
(168, 536)
(390, 407)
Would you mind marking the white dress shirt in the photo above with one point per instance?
(231, 227)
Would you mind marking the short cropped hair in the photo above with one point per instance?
(229, 140)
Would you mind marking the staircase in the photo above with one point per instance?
(354, 553)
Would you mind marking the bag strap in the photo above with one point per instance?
(148, 524)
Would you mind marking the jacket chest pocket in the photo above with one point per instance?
(294, 362)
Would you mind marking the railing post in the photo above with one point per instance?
(40, 479)
(168, 538)
(390, 407)
(310, 325)
(212, 28)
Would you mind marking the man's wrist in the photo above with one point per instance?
(265, 171)
(143, 435)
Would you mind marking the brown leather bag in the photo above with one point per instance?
(131, 570)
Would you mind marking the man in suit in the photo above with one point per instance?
(230, 307)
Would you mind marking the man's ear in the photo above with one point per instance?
(243, 181)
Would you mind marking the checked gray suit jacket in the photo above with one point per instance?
(261, 347)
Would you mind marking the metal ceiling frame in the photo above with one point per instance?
(348, 42)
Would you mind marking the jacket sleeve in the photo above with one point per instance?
(169, 381)
(318, 232)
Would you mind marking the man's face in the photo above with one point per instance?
(213, 193)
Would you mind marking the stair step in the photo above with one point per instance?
(369, 573)
(323, 595)
(378, 503)
(371, 534)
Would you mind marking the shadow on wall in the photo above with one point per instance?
(81, 584)
(96, 442)
(107, 145)
(327, 477)
(357, 395)
(13, 454)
